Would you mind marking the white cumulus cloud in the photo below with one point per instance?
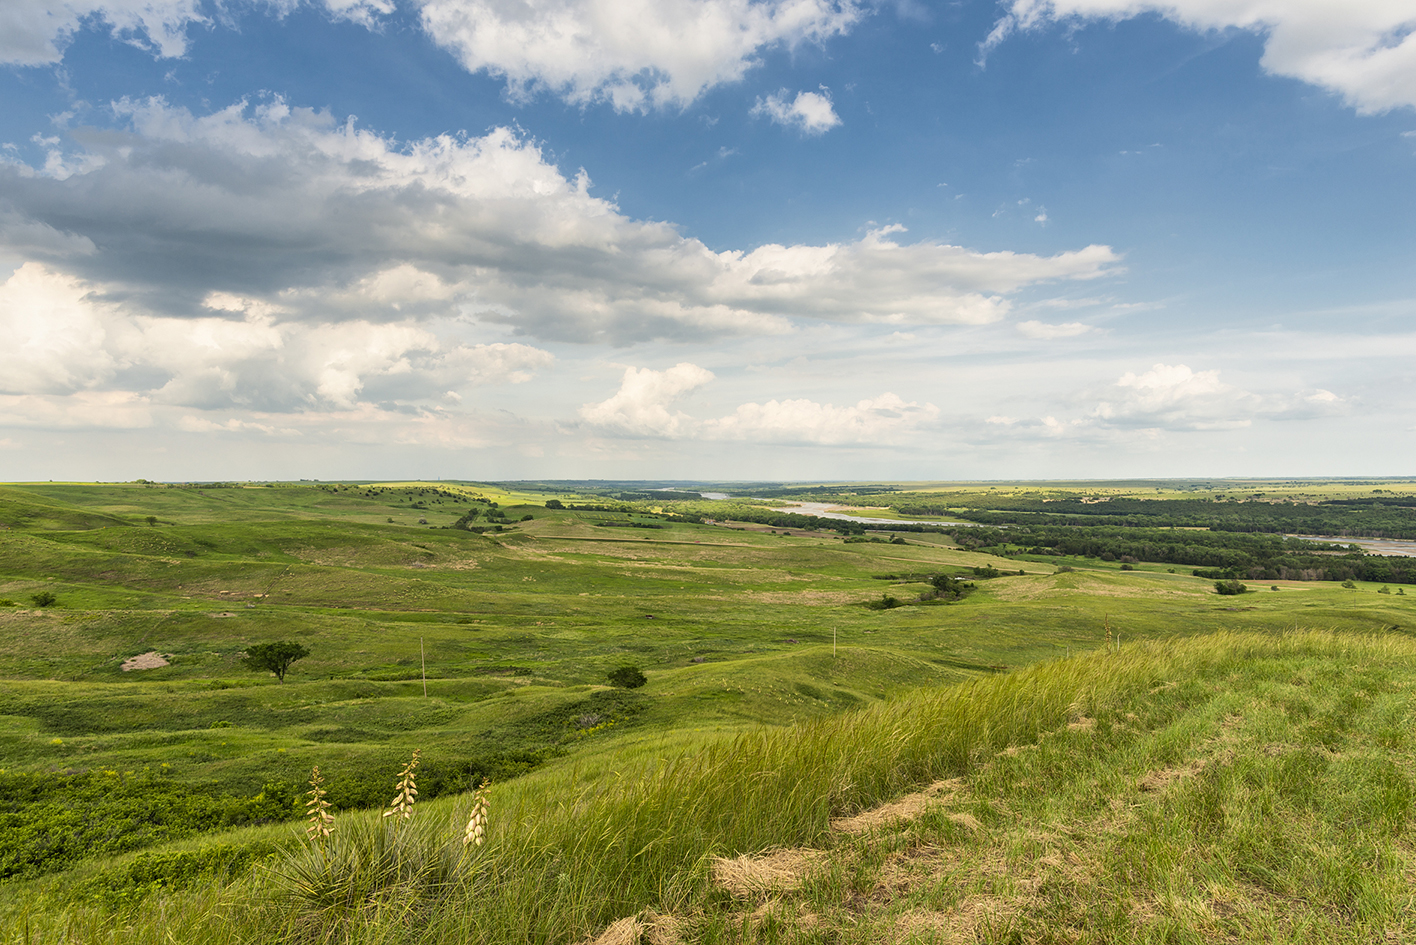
(1175, 397)
(1364, 50)
(1046, 332)
(36, 32)
(887, 419)
(811, 112)
(642, 407)
(634, 54)
(323, 222)
(62, 340)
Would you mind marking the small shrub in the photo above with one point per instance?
(1229, 588)
(1384, 590)
(987, 571)
(1349, 585)
(627, 677)
(1274, 588)
(43, 599)
(1128, 567)
(1065, 569)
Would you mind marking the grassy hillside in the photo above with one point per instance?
(758, 645)
(1224, 787)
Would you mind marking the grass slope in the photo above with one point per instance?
(1224, 787)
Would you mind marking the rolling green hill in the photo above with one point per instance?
(758, 643)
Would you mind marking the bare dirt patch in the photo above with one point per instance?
(907, 807)
(747, 876)
(1162, 778)
(149, 660)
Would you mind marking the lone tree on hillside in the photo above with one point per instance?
(627, 677)
(274, 657)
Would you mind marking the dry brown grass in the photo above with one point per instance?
(646, 928)
(903, 808)
(750, 876)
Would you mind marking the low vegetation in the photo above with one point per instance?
(686, 732)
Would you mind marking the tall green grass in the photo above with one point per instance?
(571, 849)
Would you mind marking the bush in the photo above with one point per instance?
(1229, 588)
(43, 599)
(554, 504)
(987, 571)
(627, 677)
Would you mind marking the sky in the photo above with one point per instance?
(707, 239)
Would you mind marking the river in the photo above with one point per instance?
(1395, 547)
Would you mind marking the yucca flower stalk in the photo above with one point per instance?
(477, 822)
(402, 804)
(317, 810)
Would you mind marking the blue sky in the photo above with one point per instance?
(707, 238)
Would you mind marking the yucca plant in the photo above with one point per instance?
(321, 821)
(402, 804)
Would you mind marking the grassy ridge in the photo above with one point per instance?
(574, 849)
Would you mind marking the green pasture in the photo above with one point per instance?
(489, 652)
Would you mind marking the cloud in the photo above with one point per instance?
(882, 420)
(114, 410)
(321, 222)
(36, 32)
(1174, 397)
(635, 56)
(1046, 332)
(62, 340)
(1363, 51)
(811, 112)
(641, 407)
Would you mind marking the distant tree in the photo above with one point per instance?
(151, 520)
(43, 599)
(1229, 588)
(554, 504)
(274, 657)
(627, 677)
